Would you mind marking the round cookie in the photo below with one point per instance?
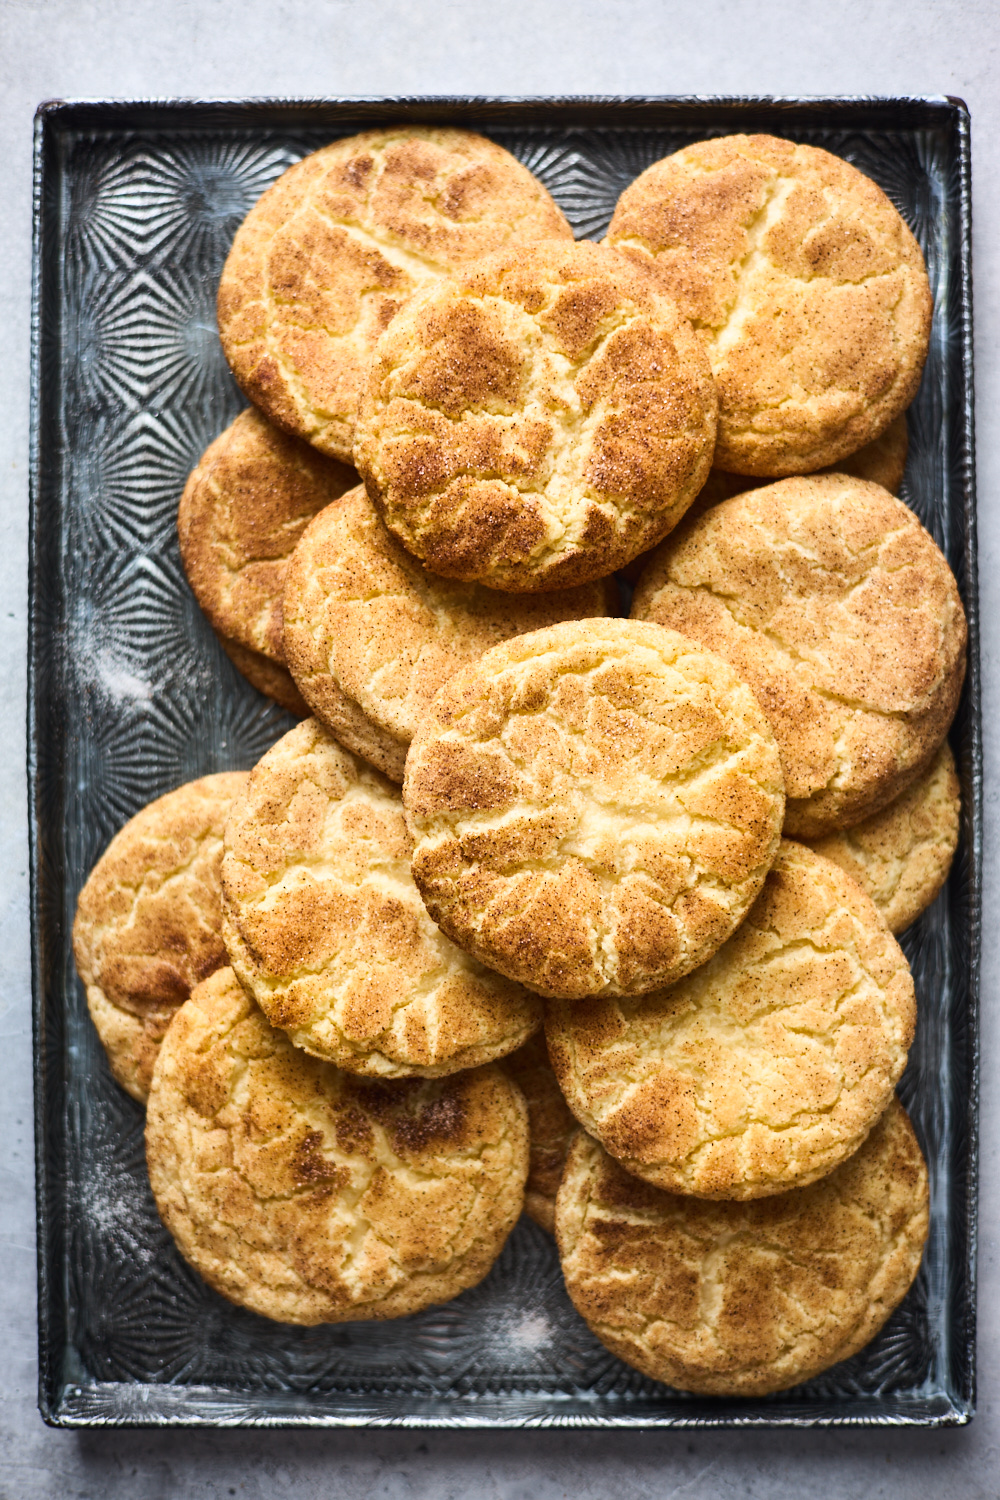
(243, 509)
(552, 1126)
(733, 1299)
(767, 1066)
(901, 856)
(370, 635)
(313, 1197)
(148, 921)
(595, 807)
(808, 289)
(832, 601)
(326, 930)
(536, 422)
(267, 676)
(330, 252)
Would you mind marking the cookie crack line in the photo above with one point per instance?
(776, 546)
(571, 418)
(409, 257)
(710, 1008)
(770, 210)
(323, 1017)
(561, 489)
(685, 1165)
(794, 655)
(341, 1160)
(816, 1326)
(801, 396)
(596, 658)
(571, 518)
(141, 891)
(403, 258)
(761, 221)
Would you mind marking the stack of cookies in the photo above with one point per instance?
(679, 842)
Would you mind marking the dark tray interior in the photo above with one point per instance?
(130, 695)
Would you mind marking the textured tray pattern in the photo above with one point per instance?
(131, 695)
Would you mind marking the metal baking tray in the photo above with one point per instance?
(135, 206)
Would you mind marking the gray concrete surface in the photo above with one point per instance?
(143, 48)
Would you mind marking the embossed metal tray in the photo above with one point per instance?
(130, 695)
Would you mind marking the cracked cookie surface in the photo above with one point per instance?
(766, 1067)
(327, 256)
(831, 600)
(902, 855)
(537, 421)
(243, 509)
(595, 806)
(552, 1126)
(733, 1299)
(326, 929)
(807, 287)
(310, 1196)
(371, 635)
(149, 921)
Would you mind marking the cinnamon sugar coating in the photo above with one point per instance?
(330, 252)
(765, 1067)
(537, 421)
(371, 635)
(739, 1299)
(149, 921)
(807, 287)
(901, 856)
(310, 1196)
(326, 929)
(595, 807)
(244, 507)
(830, 599)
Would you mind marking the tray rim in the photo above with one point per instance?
(60, 1403)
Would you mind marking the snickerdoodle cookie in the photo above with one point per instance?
(537, 421)
(738, 1299)
(148, 921)
(836, 606)
(595, 806)
(327, 931)
(330, 252)
(243, 509)
(901, 856)
(807, 287)
(552, 1126)
(370, 635)
(764, 1068)
(314, 1197)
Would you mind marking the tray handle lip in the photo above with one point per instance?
(81, 1408)
(967, 1336)
(47, 1378)
(57, 105)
